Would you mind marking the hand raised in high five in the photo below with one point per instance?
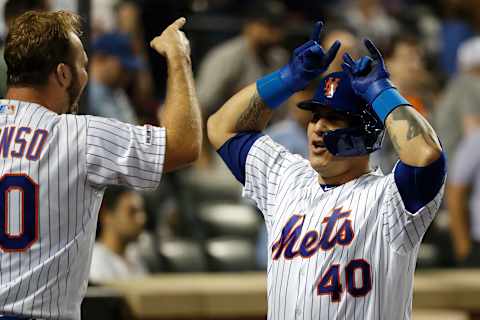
(172, 42)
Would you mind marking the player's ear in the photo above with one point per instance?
(64, 75)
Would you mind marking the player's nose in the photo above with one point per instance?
(320, 126)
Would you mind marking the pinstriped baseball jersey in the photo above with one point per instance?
(345, 253)
(53, 171)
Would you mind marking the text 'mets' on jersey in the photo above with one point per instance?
(345, 253)
(53, 171)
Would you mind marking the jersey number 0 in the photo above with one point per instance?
(27, 208)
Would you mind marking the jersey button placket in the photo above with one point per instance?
(298, 313)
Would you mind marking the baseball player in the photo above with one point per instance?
(342, 239)
(55, 166)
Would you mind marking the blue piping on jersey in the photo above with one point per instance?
(419, 185)
(235, 150)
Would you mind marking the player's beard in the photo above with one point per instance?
(74, 92)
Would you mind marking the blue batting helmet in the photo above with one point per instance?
(365, 135)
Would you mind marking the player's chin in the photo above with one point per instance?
(320, 160)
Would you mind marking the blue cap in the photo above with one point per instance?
(335, 91)
(118, 45)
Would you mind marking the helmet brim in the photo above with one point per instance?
(310, 105)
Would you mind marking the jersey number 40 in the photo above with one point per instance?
(23, 191)
(358, 279)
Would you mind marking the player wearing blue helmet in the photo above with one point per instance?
(365, 132)
(342, 239)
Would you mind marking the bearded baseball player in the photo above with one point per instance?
(342, 239)
(55, 166)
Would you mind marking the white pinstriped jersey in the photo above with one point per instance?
(346, 253)
(53, 171)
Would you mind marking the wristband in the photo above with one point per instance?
(387, 101)
(273, 89)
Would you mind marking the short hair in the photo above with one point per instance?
(36, 43)
(111, 196)
(407, 38)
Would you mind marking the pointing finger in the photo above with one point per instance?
(332, 52)
(316, 31)
(179, 23)
(376, 55)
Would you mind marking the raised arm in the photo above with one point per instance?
(251, 108)
(413, 138)
(420, 174)
(245, 111)
(180, 114)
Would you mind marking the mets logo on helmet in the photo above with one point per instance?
(331, 86)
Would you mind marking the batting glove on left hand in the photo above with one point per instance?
(369, 75)
(370, 80)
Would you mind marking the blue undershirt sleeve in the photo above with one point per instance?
(419, 185)
(234, 152)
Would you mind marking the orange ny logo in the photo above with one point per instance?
(331, 86)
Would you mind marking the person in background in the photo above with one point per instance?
(463, 201)
(370, 19)
(11, 10)
(244, 58)
(349, 44)
(112, 67)
(128, 15)
(458, 111)
(121, 220)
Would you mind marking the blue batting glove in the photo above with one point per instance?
(370, 80)
(307, 62)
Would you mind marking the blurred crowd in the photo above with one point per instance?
(197, 220)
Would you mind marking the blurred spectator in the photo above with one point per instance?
(103, 16)
(238, 62)
(349, 42)
(458, 111)
(140, 90)
(369, 19)
(112, 67)
(463, 200)
(11, 10)
(121, 220)
(243, 59)
(406, 58)
(456, 27)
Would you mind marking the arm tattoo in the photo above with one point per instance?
(251, 118)
(416, 127)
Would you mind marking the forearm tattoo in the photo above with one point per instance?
(251, 118)
(416, 127)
